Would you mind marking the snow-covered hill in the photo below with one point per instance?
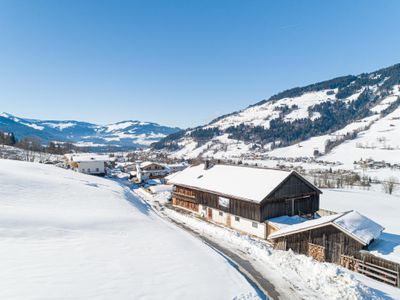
(125, 134)
(343, 119)
(66, 235)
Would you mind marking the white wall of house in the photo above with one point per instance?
(91, 167)
(249, 226)
(238, 223)
(219, 216)
(241, 224)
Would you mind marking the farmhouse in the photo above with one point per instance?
(243, 197)
(86, 163)
(329, 238)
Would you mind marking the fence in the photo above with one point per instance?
(374, 267)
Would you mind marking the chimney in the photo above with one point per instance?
(207, 164)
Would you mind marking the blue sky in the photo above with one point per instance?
(180, 63)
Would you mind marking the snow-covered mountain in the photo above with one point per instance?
(349, 117)
(125, 134)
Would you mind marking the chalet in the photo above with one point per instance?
(149, 170)
(330, 238)
(243, 198)
(87, 163)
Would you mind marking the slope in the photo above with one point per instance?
(65, 235)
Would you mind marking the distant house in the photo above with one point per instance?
(149, 170)
(87, 163)
(243, 198)
(176, 167)
(329, 238)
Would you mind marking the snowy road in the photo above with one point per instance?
(65, 235)
(265, 287)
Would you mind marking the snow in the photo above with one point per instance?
(385, 103)
(123, 125)
(301, 226)
(161, 188)
(359, 226)
(118, 126)
(89, 157)
(60, 126)
(284, 221)
(34, 126)
(248, 183)
(66, 235)
(352, 223)
(294, 276)
(380, 207)
(89, 144)
(260, 115)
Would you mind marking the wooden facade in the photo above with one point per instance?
(326, 243)
(294, 196)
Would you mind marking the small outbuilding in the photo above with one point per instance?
(328, 238)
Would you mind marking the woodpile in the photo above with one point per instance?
(317, 252)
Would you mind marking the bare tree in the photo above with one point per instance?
(390, 184)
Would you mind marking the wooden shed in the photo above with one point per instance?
(328, 238)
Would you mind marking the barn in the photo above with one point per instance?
(243, 197)
(329, 238)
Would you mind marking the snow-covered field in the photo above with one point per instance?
(65, 235)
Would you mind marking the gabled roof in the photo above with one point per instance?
(149, 163)
(248, 183)
(88, 158)
(352, 223)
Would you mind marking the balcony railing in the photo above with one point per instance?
(184, 197)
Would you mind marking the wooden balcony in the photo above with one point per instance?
(184, 197)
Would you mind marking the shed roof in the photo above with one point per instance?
(352, 223)
(284, 221)
(249, 183)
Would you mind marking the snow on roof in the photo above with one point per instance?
(284, 221)
(252, 184)
(148, 163)
(359, 225)
(86, 158)
(352, 223)
(161, 188)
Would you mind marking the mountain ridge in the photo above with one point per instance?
(123, 134)
(292, 116)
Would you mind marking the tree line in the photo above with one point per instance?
(35, 144)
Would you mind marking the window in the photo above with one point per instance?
(97, 170)
(237, 219)
(254, 224)
(83, 170)
(221, 213)
(88, 170)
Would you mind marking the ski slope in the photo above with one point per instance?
(65, 235)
